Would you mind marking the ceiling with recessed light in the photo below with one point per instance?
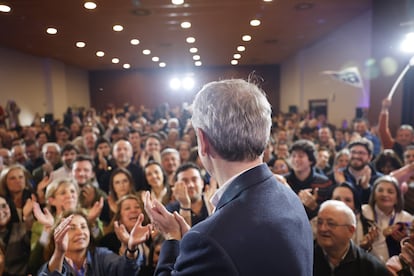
(278, 29)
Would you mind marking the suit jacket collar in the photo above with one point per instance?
(254, 176)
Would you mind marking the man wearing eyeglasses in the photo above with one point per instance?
(335, 253)
(360, 173)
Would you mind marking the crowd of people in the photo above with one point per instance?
(74, 193)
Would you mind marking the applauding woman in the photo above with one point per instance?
(385, 207)
(74, 253)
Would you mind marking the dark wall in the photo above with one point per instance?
(151, 87)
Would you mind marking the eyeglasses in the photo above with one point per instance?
(330, 224)
(359, 152)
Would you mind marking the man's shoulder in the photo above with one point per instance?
(369, 261)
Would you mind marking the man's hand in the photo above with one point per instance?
(180, 193)
(161, 219)
(309, 198)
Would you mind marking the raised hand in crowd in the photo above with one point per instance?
(309, 197)
(369, 238)
(138, 234)
(95, 210)
(44, 217)
(41, 188)
(28, 211)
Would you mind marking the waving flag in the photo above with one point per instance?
(349, 76)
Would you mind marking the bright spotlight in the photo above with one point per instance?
(175, 84)
(408, 43)
(188, 83)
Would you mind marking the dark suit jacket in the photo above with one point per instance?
(259, 228)
(357, 262)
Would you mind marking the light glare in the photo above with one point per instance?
(188, 83)
(117, 28)
(246, 38)
(175, 84)
(80, 44)
(100, 53)
(255, 22)
(177, 2)
(190, 39)
(241, 48)
(407, 45)
(90, 5)
(5, 8)
(51, 31)
(185, 25)
(134, 41)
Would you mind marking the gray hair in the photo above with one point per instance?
(235, 116)
(50, 144)
(340, 206)
(167, 151)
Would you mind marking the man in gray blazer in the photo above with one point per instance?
(259, 226)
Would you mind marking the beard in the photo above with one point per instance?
(357, 166)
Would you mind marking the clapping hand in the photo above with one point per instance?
(171, 226)
(45, 218)
(138, 235)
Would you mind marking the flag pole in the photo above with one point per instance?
(400, 77)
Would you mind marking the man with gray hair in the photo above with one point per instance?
(170, 161)
(335, 253)
(259, 226)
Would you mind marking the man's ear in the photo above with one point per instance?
(203, 142)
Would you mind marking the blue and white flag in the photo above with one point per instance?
(349, 76)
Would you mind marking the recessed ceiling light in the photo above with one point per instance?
(193, 50)
(162, 64)
(115, 60)
(196, 57)
(236, 56)
(185, 25)
(246, 38)
(117, 28)
(155, 59)
(177, 2)
(126, 66)
(80, 44)
(198, 63)
(267, 0)
(134, 41)
(51, 31)
(90, 5)
(255, 22)
(241, 48)
(100, 53)
(190, 39)
(146, 52)
(5, 8)
(234, 62)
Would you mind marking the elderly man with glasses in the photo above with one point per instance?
(335, 253)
